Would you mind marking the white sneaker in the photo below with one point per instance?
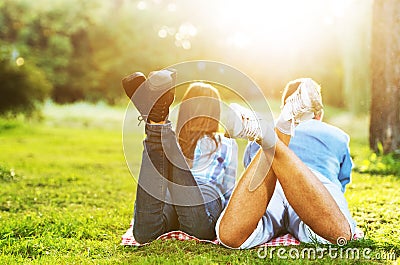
(300, 106)
(245, 123)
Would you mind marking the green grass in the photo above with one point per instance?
(66, 195)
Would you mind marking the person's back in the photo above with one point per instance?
(323, 148)
(216, 164)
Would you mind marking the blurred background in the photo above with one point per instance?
(72, 50)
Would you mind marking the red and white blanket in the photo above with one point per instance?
(285, 240)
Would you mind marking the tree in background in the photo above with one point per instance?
(385, 105)
(23, 87)
(84, 48)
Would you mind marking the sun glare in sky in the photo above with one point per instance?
(279, 26)
(278, 23)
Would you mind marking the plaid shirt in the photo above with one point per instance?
(216, 165)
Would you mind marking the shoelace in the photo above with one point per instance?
(250, 127)
(298, 105)
(160, 109)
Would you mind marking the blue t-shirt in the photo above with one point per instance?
(322, 147)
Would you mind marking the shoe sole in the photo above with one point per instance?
(131, 83)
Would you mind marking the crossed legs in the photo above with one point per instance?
(304, 191)
(168, 197)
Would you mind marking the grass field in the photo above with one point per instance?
(66, 196)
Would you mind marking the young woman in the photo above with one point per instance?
(185, 179)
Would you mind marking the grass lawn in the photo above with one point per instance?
(66, 196)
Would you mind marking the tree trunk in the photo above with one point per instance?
(385, 66)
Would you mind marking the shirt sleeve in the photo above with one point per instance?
(230, 172)
(250, 152)
(346, 166)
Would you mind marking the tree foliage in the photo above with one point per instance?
(22, 88)
(84, 48)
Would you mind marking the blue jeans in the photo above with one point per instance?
(168, 197)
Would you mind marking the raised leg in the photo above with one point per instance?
(150, 219)
(197, 205)
(303, 190)
(245, 207)
(308, 196)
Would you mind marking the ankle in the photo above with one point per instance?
(160, 122)
(284, 126)
(269, 136)
(285, 138)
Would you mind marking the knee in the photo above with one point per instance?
(142, 237)
(229, 237)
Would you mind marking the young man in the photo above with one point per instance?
(302, 191)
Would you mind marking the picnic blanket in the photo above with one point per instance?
(129, 240)
(285, 240)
